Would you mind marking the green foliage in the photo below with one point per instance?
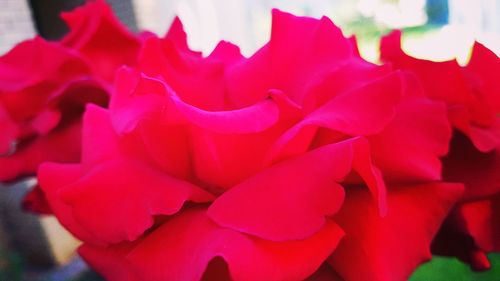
(445, 269)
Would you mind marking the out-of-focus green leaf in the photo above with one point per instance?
(445, 269)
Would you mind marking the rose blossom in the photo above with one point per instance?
(302, 161)
(45, 86)
(473, 102)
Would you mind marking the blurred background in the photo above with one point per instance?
(37, 248)
(439, 29)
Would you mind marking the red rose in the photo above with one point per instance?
(257, 168)
(471, 94)
(45, 86)
(42, 93)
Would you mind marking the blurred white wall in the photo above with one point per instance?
(15, 23)
(248, 22)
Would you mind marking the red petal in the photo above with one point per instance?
(197, 81)
(177, 34)
(9, 133)
(391, 247)
(51, 178)
(480, 220)
(363, 111)
(156, 96)
(300, 53)
(109, 262)
(289, 200)
(485, 65)
(478, 171)
(303, 49)
(35, 201)
(36, 61)
(136, 193)
(325, 273)
(421, 132)
(182, 247)
(94, 30)
(451, 88)
(61, 146)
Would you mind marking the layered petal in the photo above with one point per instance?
(390, 247)
(36, 61)
(300, 52)
(470, 92)
(421, 132)
(451, 88)
(362, 111)
(182, 247)
(110, 177)
(136, 192)
(292, 199)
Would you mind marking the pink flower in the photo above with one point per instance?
(301, 161)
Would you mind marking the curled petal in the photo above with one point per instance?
(152, 96)
(363, 111)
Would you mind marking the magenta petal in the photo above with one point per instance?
(303, 49)
(60, 146)
(252, 119)
(289, 200)
(45, 121)
(478, 171)
(51, 178)
(153, 97)
(94, 30)
(177, 34)
(9, 133)
(110, 262)
(181, 249)
(136, 192)
(391, 247)
(99, 141)
(420, 131)
(371, 175)
(485, 64)
(53, 63)
(362, 111)
(479, 220)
